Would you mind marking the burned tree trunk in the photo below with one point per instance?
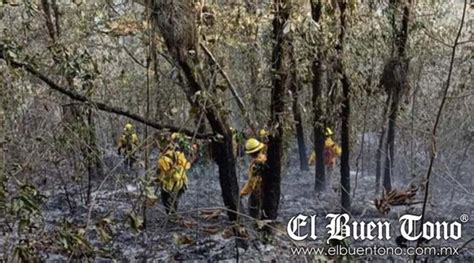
(295, 89)
(346, 112)
(317, 70)
(94, 164)
(175, 19)
(280, 60)
(3, 130)
(380, 149)
(394, 80)
(300, 136)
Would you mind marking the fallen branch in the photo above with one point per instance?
(99, 105)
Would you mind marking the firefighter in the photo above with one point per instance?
(331, 152)
(127, 145)
(171, 171)
(253, 186)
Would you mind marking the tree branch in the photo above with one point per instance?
(232, 88)
(438, 118)
(101, 106)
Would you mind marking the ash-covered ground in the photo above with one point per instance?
(203, 233)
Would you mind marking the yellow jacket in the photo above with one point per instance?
(124, 142)
(254, 182)
(171, 170)
(331, 152)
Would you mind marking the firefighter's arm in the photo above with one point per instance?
(254, 176)
(249, 185)
(337, 150)
(135, 140)
(121, 144)
(312, 158)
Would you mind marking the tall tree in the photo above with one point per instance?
(317, 70)
(295, 90)
(394, 80)
(176, 21)
(281, 78)
(346, 109)
(3, 131)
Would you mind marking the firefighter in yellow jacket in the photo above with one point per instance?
(253, 186)
(172, 179)
(331, 151)
(128, 143)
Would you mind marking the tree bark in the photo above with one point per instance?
(280, 58)
(380, 147)
(295, 90)
(222, 150)
(318, 122)
(390, 145)
(180, 40)
(93, 155)
(3, 130)
(396, 88)
(346, 113)
(300, 136)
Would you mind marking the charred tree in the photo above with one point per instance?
(176, 21)
(394, 80)
(345, 113)
(380, 147)
(3, 131)
(317, 70)
(295, 90)
(280, 61)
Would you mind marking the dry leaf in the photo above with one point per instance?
(235, 231)
(211, 214)
(182, 239)
(189, 223)
(212, 230)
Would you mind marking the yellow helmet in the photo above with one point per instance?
(175, 135)
(128, 127)
(263, 133)
(329, 132)
(253, 145)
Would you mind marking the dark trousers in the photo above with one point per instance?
(255, 205)
(170, 200)
(129, 161)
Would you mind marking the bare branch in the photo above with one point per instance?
(101, 106)
(438, 118)
(232, 88)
